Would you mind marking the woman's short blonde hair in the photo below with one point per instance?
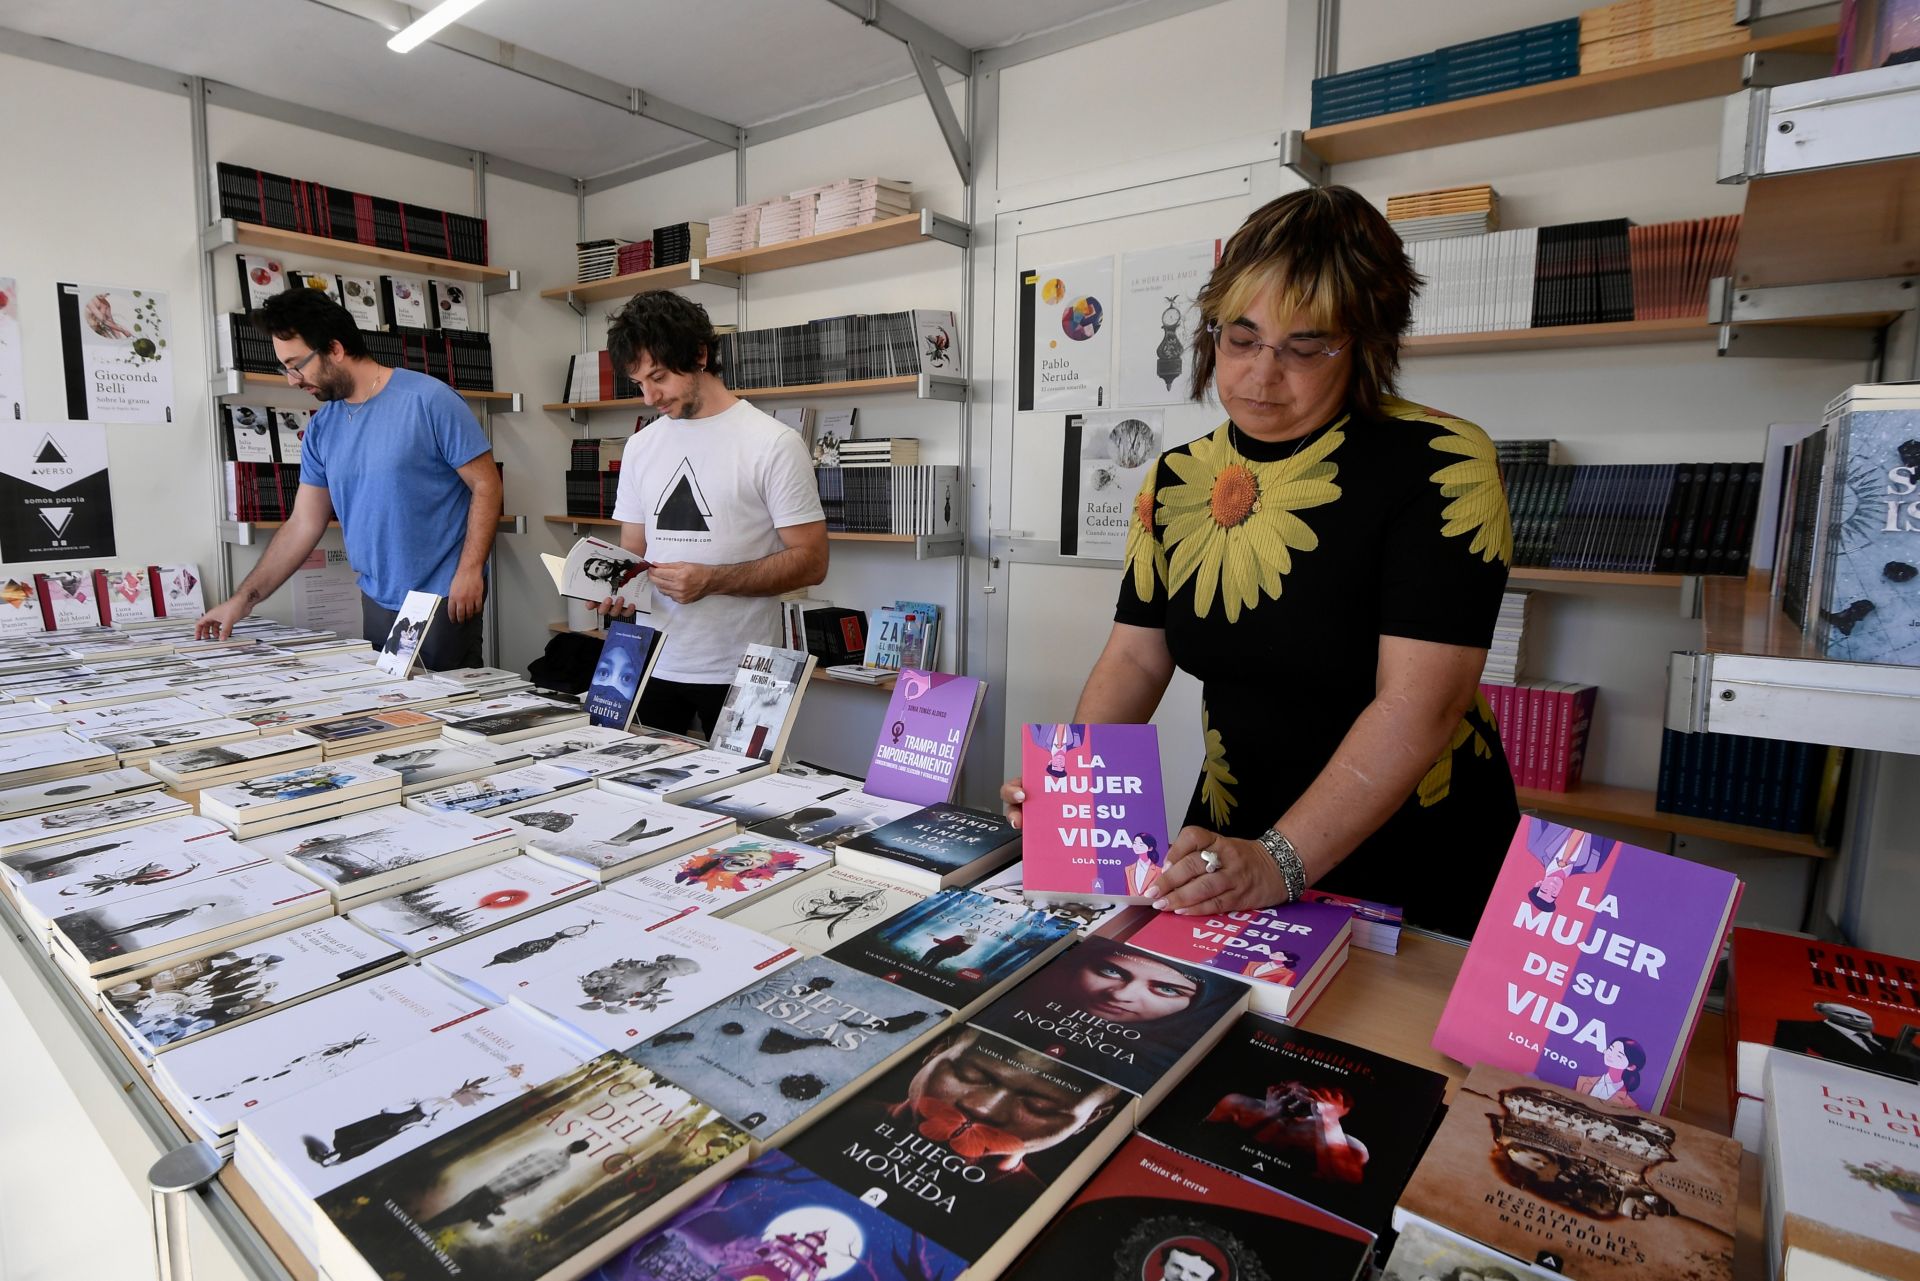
(1330, 258)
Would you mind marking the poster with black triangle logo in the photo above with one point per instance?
(55, 503)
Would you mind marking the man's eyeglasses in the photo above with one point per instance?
(1294, 353)
(293, 369)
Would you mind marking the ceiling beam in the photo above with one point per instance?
(392, 16)
(950, 128)
(890, 19)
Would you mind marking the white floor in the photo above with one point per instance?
(67, 1210)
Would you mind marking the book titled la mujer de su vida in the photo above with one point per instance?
(1094, 820)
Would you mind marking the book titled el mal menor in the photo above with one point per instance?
(1589, 965)
(1094, 822)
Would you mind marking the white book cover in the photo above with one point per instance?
(619, 989)
(262, 276)
(508, 789)
(290, 434)
(262, 750)
(97, 816)
(118, 364)
(826, 908)
(251, 430)
(451, 304)
(142, 715)
(400, 654)
(100, 936)
(67, 595)
(265, 694)
(311, 786)
(194, 998)
(439, 761)
(128, 594)
(342, 851)
(1158, 316)
(494, 962)
(35, 720)
(761, 701)
(566, 742)
(89, 854)
(470, 903)
(180, 591)
(406, 300)
(1843, 1159)
(360, 295)
(274, 719)
(600, 831)
(291, 1050)
(485, 707)
(1007, 886)
(340, 1128)
(596, 570)
(773, 795)
(78, 789)
(624, 754)
(831, 823)
(118, 692)
(141, 871)
(685, 775)
(721, 876)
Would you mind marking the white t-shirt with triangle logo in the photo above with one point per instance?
(713, 491)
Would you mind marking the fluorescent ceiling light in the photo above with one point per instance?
(429, 24)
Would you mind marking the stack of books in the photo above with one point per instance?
(634, 257)
(1671, 518)
(783, 220)
(1635, 31)
(596, 259)
(376, 852)
(593, 476)
(509, 718)
(1533, 55)
(601, 835)
(267, 803)
(1674, 261)
(591, 376)
(441, 761)
(1760, 782)
(882, 499)
(1286, 956)
(1543, 730)
(1445, 212)
(1376, 926)
(734, 230)
(311, 208)
(460, 358)
(430, 917)
(682, 242)
(1508, 653)
(1514, 453)
(842, 349)
(855, 202)
(501, 791)
(244, 756)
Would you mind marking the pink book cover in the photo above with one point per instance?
(1550, 728)
(1094, 824)
(1274, 945)
(1589, 965)
(1583, 703)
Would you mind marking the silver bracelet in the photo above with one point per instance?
(1287, 859)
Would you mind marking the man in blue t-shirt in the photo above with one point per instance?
(398, 458)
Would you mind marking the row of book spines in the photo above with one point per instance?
(1543, 730)
(1583, 274)
(261, 491)
(592, 493)
(591, 376)
(1507, 61)
(461, 358)
(1756, 782)
(1674, 262)
(313, 209)
(881, 500)
(1684, 518)
(830, 350)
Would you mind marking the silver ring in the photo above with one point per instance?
(1211, 858)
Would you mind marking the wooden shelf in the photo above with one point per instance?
(584, 520)
(228, 232)
(1629, 807)
(1596, 577)
(561, 629)
(1686, 77)
(1741, 618)
(1624, 333)
(837, 536)
(245, 533)
(937, 389)
(251, 379)
(888, 233)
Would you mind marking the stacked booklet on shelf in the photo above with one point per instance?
(380, 851)
(293, 798)
(1448, 211)
(76, 789)
(441, 913)
(442, 761)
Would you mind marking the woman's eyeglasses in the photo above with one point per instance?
(1295, 353)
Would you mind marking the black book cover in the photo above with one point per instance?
(1712, 505)
(1029, 291)
(1152, 1212)
(943, 838)
(1121, 1014)
(1335, 1125)
(960, 1138)
(1678, 496)
(954, 947)
(1740, 542)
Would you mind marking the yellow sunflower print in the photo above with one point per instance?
(1215, 774)
(1232, 524)
(1438, 781)
(1479, 503)
(1146, 559)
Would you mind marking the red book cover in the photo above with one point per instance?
(1582, 713)
(1530, 695)
(1549, 732)
(1820, 999)
(606, 376)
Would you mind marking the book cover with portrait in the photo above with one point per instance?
(1153, 1214)
(1094, 823)
(1337, 1126)
(971, 1140)
(1590, 964)
(626, 659)
(1578, 1186)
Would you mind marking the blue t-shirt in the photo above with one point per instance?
(390, 470)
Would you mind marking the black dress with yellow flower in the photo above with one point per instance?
(1275, 569)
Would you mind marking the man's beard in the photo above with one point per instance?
(689, 407)
(332, 384)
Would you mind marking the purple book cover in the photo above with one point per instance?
(923, 739)
(1589, 965)
(1276, 945)
(1094, 822)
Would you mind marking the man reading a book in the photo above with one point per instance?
(398, 459)
(719, 497)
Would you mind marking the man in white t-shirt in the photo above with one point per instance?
(719, 497)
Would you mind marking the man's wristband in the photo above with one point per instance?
(1287, 859)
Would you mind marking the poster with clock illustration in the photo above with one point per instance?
(1157, 316)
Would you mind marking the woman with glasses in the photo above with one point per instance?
(1329, 563)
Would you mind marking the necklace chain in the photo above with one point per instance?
(353, 409)
(1233, 443)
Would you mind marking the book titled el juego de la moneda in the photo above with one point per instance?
(1337, 1126)
(1589, 965)
(1094, 823)
(626, 659)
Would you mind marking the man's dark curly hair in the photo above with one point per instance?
(673, 330)
(312, 317)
